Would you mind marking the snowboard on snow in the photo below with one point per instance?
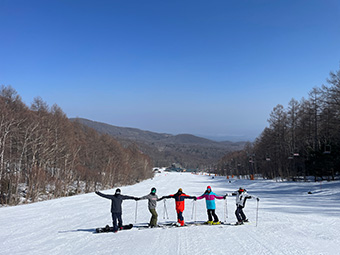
(107, 228)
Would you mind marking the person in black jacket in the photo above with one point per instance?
(116, 207)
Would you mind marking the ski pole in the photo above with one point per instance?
(257, 211)
(195, 212)
(193, 209)
(225, 210)
(136, 212)
(166, 212)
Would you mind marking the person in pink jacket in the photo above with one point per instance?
(211, 206)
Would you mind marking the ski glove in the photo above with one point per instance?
(257, 199)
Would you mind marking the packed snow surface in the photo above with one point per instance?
(290, 221)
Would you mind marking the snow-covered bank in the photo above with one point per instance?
(291, 221)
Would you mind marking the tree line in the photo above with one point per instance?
(301, 140)
(44, 154)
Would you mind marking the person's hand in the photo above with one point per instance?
(257, 199)
(225, 196)
(195, 198)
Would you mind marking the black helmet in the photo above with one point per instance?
(153, 190)
(117, 191)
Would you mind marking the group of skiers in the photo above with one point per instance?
(117, 199)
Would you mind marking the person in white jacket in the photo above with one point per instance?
(241, 198)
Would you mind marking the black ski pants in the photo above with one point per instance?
(240, 214)
(117, 216)
(211, 215)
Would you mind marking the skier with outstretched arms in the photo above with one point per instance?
(180, 204)
(211, 205)
(152, 203)
(241, 198)
(116, 207)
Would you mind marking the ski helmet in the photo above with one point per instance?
(241, 189)
(153, 190)
(180, 190)
(117, 191)
(208, 188)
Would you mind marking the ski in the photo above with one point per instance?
(107, 228)
(242, 224)
(148, 227)
(189, 224)
(207, 224)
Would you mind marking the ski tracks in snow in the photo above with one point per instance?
(290, 222)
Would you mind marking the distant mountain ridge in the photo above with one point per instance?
(119, 132)
(189, 150)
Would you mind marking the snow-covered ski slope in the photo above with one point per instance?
(290, 221)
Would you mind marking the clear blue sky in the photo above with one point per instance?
(212, 68)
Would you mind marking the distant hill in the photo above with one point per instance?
(188, 150)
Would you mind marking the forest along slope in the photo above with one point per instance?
(290, 221)
(164, 149)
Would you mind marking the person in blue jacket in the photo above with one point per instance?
(211, 206)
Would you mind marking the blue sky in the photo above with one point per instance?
(210, 68)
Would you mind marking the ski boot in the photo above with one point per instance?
(239, 223)
(216, 223)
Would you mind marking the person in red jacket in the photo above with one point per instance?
(180, 204)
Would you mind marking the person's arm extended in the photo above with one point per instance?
(219, 197)
(103, 195)
(125, 197)
(144, 197)
(164, 197)
(201, 197)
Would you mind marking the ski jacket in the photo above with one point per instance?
(241, 198)
(210, 199)
(116, 201)
(153, 198)
(179, 198)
